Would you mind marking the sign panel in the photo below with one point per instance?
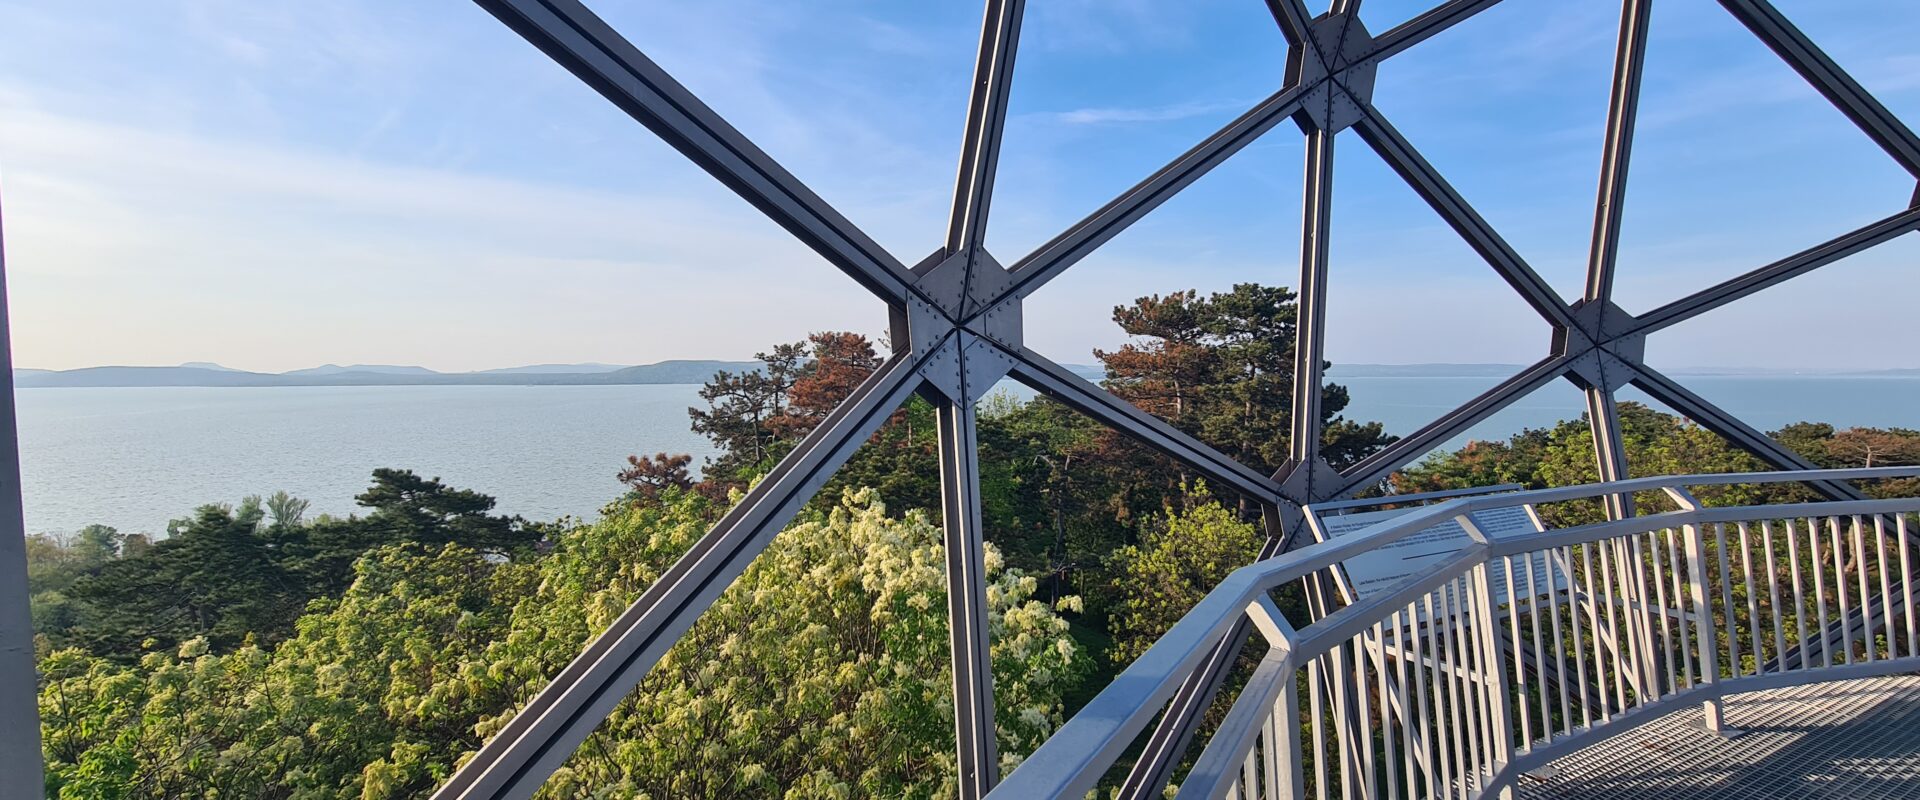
(1376, 571)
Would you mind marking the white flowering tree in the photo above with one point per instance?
(822, 673)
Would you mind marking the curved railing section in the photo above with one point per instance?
(1520, 646)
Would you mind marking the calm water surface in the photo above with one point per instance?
(135, 458)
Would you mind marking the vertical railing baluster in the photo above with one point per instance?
(1428, 716)
(1442, 702)
(1493, 669)
(1473, 658)
(1339, 684)
(1697, 587)
(1579, 642)
(1866, 594)
(1250, 776)
(1271, 747)
(1362, 721)
(1519, 672)
(1840, 589)
(1799, 594)
(1387, 752)
(1819, 593)
(1773, 596)
(1403, 711)
(1539, 647)
(1727, 601)
(1613, 593)
(1649, 667)
(1600, 640)
(1680, 603)
(1886, 584)
(1753, 598)
(1906, 587)
(1559, 636)
(1709, 638)
(1318, 709)
(1464, 742)
(1666, 620)
(1287, 750)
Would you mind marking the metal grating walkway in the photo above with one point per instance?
(1857, 739)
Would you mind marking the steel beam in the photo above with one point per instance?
(1793, 266)
(547, 730)
(1292, 16)
(1609, 448)
(960, 518)
(1603, 254)
(1421, 28)
(1622, 109)
(1057, 382)
(20, 767)
(986, 121)
(1378, 466)
(1709, 416)
(1065, 250)
(1309, 343)
(1829, 79)
(1427, 182)
(584, 44)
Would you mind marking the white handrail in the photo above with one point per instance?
(1072, 761)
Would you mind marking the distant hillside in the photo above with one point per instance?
(1422, 370)
(378, 369)
(140, 376)
(665, 372)
(678, 371)
(553, 369)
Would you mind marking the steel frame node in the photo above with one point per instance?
(1602, 359)
(1340, 65)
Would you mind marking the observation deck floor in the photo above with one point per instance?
(1856, 739)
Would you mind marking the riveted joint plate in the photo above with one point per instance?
(962, 284)
(984, 364)
(1336, 59)
(1000, 323)
(1602, 321)
(965, 368)
(942, 371)
(926, 326)
(1306, 486)
(1600, 368)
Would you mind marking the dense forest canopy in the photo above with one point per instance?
(254, 652)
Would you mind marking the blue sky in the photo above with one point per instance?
(274, 184)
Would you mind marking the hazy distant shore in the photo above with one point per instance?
(687, 372)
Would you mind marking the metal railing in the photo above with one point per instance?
(1519, 648)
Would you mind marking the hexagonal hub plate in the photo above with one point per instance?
(1338, 50)
(968, 337)
(1605, 360)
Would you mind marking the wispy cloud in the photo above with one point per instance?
(174, 248)
(1124, 115)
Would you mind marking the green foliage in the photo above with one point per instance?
(55, 563)
(1656, 444)
(217, 578)
(228, 573)
(821, 673)
(1221, 368)
(741, 413)
(1179, 559)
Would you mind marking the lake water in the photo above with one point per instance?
(134, 458)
